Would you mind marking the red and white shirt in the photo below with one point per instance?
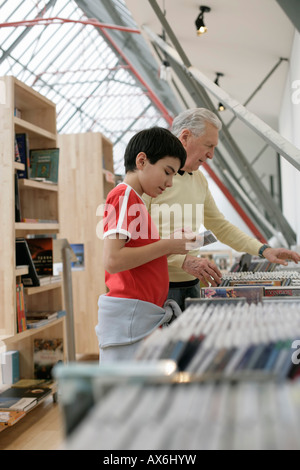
(126, 214)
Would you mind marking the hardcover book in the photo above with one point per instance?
(44, 164)
(23, 399)
(23, 258)
(41, 250)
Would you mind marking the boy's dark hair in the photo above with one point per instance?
(157, 143)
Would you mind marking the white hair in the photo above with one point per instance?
(195, 120)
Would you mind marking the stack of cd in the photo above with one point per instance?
(192, 416)
(231, 341)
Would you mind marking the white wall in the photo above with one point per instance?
(227, 209)
(289, 127)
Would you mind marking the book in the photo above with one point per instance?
(23, 257)
(32, 383)
(38, 221)
(8, 418)
(10, 367)
(17, 153)
(44, 280)
(35, 323)
(23, 146)
(38, 319)
(18, 217)
(44, 164)
(17, 112)
(23, 399)
(41, 250)
(18, 404)
(21, 310)
(43, 315)
(46, 354)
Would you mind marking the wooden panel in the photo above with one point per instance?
(7, 210)
(81, 192)
(38, 203)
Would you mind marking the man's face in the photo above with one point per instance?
(199, 149)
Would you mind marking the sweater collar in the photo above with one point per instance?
(181, 172)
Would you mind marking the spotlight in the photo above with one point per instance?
(200, 26)
(165, 71)
(221, 107)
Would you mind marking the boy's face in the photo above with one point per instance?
(155, 178)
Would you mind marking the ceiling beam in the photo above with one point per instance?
(292, 10)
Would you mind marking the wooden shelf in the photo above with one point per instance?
(32, 130)
(28, 183)
(30, 332)
(38, 202)
(44, 288)
(36, 227)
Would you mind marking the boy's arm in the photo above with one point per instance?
(118, 257)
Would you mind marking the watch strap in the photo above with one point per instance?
(262, 249)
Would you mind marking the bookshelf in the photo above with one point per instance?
(86, 166)
(39, 206)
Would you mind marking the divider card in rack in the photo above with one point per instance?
(36, 117)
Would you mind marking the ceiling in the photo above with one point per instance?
(250, 44)
(244, 41)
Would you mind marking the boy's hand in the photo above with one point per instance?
(181, 240)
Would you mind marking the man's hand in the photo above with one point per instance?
(206, 271)
(280, 255)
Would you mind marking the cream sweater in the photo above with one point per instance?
(190, 203)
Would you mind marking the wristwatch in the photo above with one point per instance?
(262, 249)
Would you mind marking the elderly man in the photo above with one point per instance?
(188, 198)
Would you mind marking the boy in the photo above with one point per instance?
(135, 258)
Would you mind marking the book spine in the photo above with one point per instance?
(23, 146)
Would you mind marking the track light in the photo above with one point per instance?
(200, 26)
(165, 71)
(221, 107)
